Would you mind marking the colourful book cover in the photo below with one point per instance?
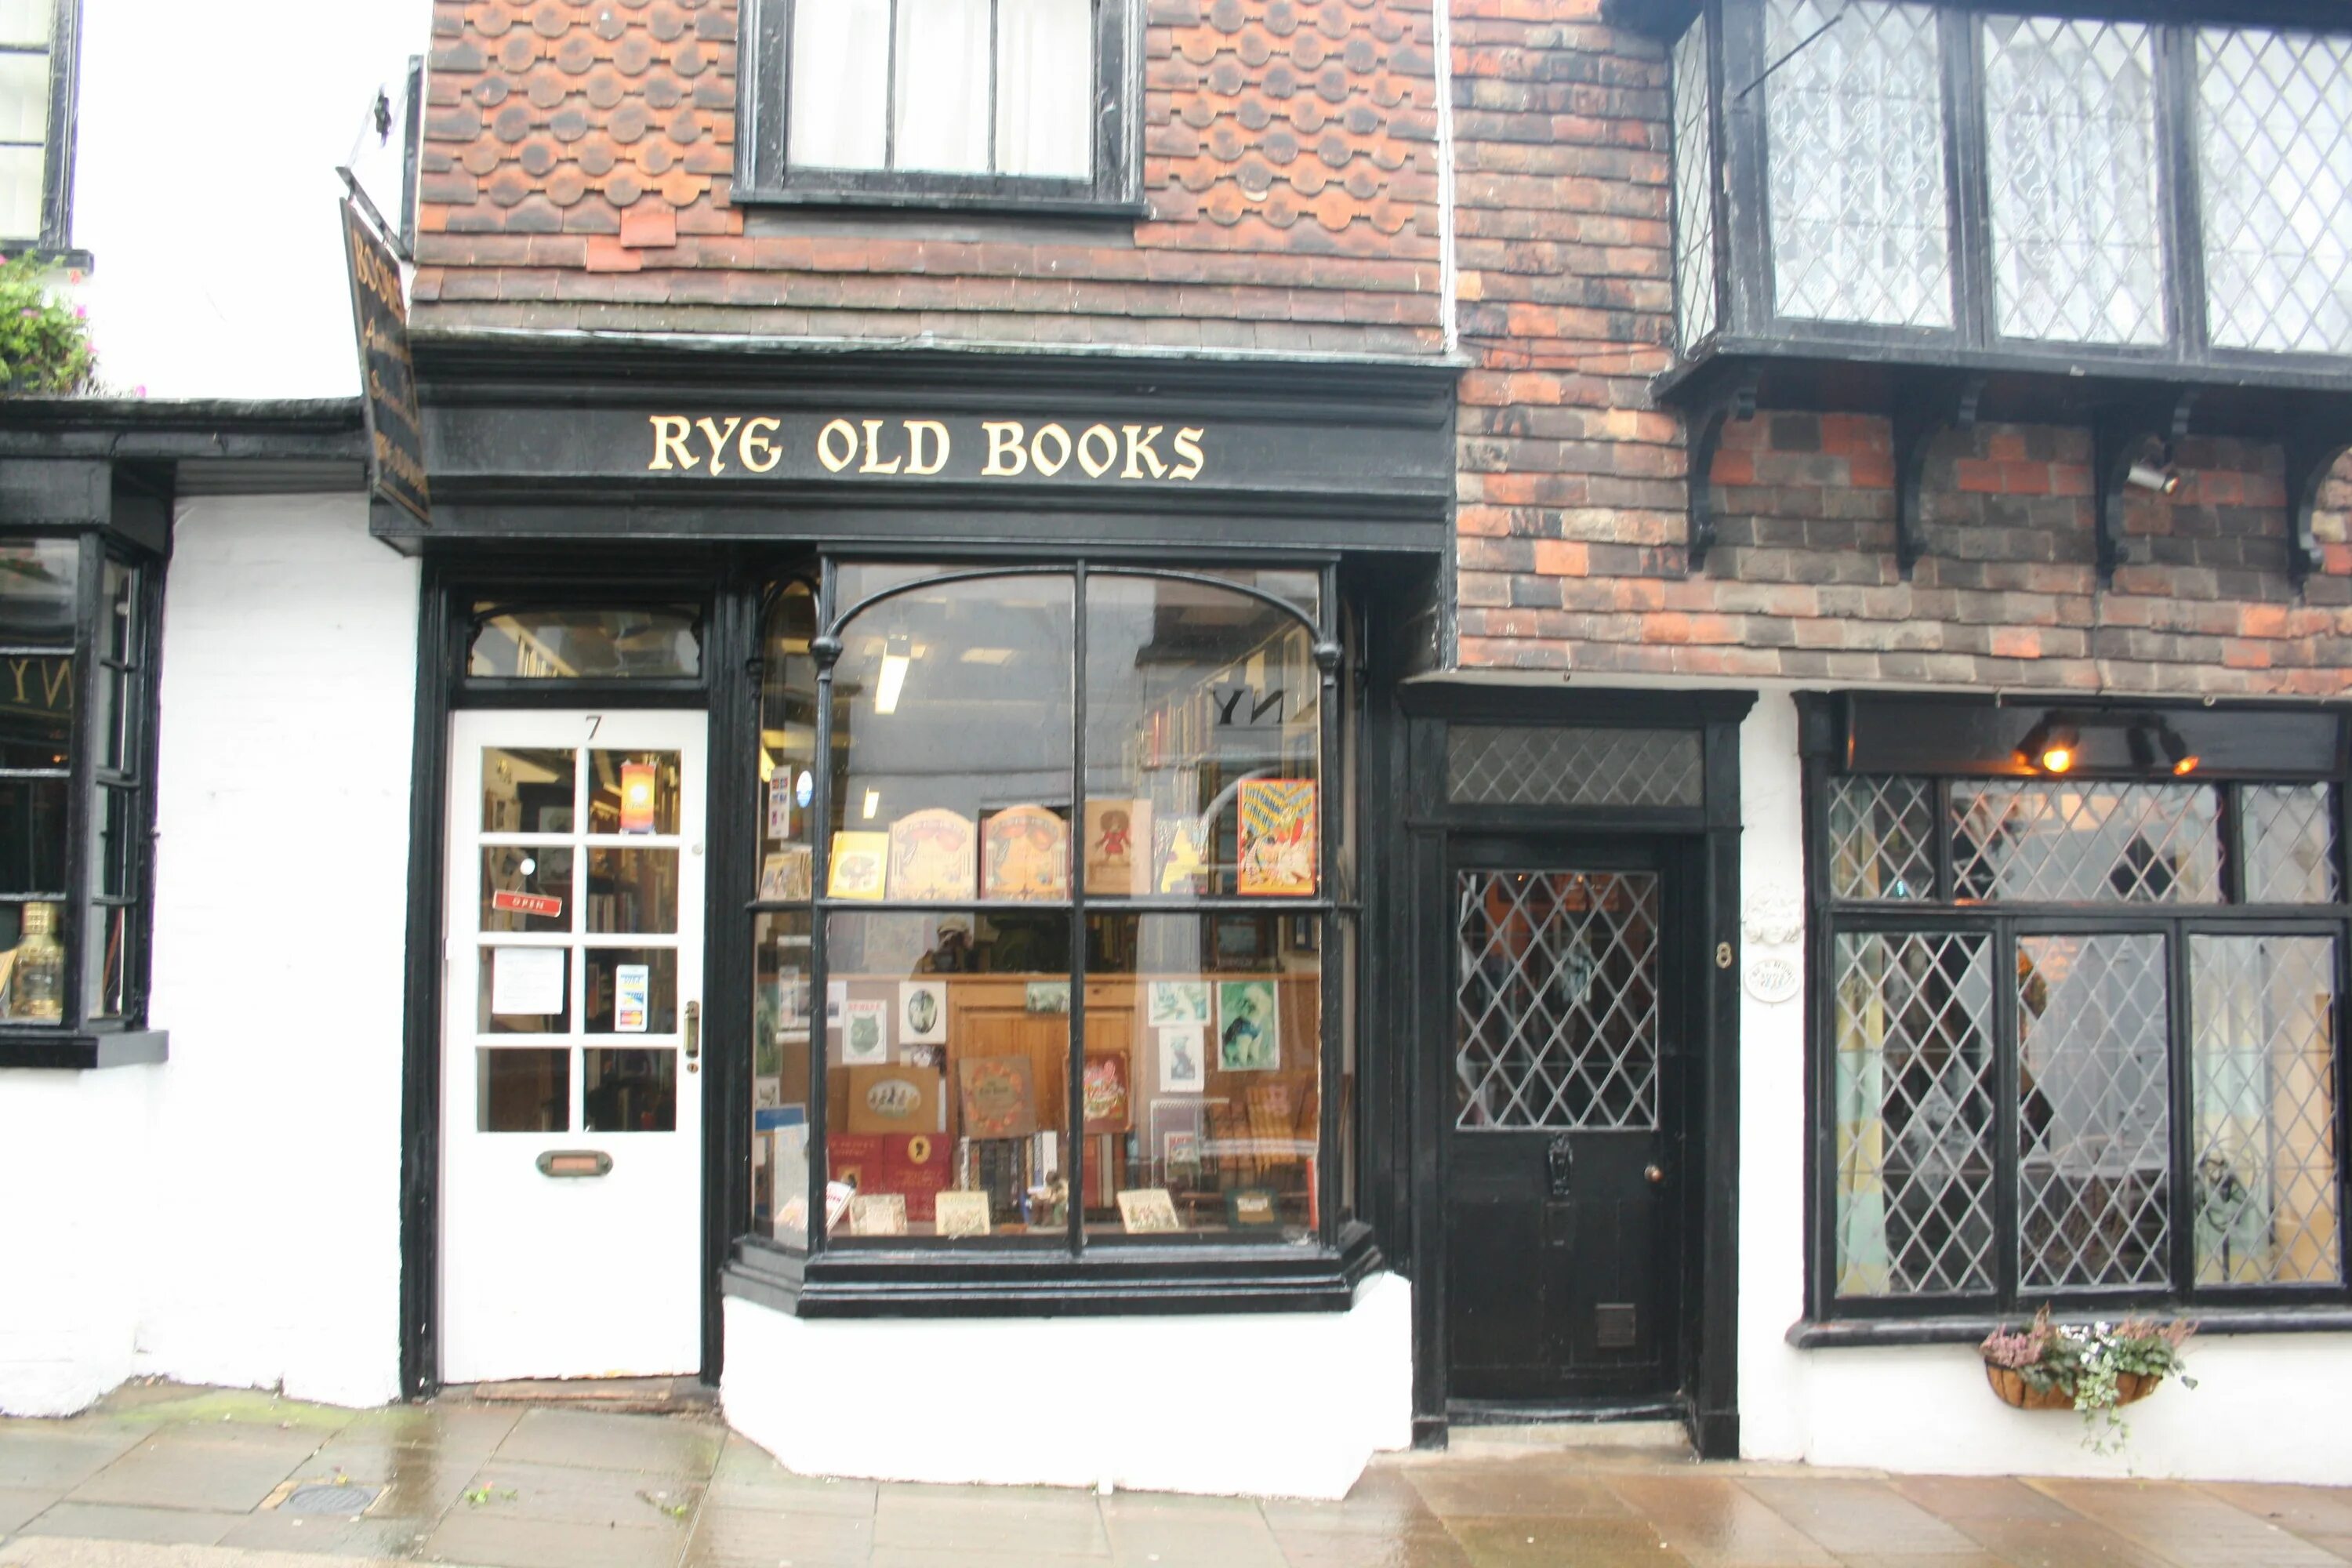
(860, 864)
(1026, 855)
(933, 856)
(1277, 837)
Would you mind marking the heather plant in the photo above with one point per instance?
(2086, 1363)
(44, 348)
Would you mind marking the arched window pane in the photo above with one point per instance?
(1204, 742)
(951, 735)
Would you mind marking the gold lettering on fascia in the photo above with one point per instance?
(922, 448)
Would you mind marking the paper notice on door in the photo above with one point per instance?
(632, 985)
(526, 980)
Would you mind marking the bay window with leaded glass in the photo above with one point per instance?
(2013, 184)
(1047, 943)
(2075, 1028)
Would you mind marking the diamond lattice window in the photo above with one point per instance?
(2070, 155)
(1860, 206)
(2264, 1051)
(2094, 1113)
(1915, 1113)
(1556, 1010)
(2086, 843)
(1882, 839)
(1506, 764)
(1694, 188)
(2274, 145)
(2290, 844)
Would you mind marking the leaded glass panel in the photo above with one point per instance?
(2070, 152)
(1528, 764)
(1556, 1005)
(2264, 1053)
(1860, 206)
(2274, 144)
(1915, 1113)
(1694, 188)
(2093, 1175)
(2067, 842)
(2290, 832)
(1882, 837)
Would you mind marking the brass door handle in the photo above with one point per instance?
(1654, 1174)
(693, 1031)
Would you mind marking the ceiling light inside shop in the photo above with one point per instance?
(873, 803)
(894, 676)
(987, 655)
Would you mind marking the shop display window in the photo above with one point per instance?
(76, 658)
(2079, 1030)
(1055, 901)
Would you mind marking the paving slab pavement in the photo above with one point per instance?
(159, 1475)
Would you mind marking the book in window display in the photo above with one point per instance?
(1118, 847)
(1025, 854)
(934, 857)
(999, 1097)
(1249, 1027)
(1277, 851)
(1103, 1092)
(860, 868)
(866, 1033)
(1179, 856)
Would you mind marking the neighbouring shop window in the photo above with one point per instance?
(37, 46)
(2079, 1038)
(76, 802)
(1064, 947)
(998, 101)
(563, 642)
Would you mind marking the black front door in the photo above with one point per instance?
(1561, 1165)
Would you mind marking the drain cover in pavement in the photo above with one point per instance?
(327, 1497)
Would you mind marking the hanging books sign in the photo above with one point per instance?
(395, 431)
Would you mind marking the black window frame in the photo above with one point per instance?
(1941, 741)
(1746, 324)
(764, 174)
(816, 1277)
(79, 1040)
(56, 239)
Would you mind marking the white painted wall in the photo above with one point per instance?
(205, 191)
(2258, 1411)
(1283, 1403)
(74, 1157)
(288, 684)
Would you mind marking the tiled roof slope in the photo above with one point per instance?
(577, 158)
(1571, 517)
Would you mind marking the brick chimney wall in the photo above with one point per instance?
(578, 155)
(1571, 517)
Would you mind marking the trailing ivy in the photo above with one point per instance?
(44, 348)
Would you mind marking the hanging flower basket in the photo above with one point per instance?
(2131, 1387)
(2095, 1368)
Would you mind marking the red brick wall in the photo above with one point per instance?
(576, 172)
(1571, 517)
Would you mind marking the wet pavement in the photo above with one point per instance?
(176, 1478)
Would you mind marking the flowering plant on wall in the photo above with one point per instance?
(44, 348)
(2095, 1368)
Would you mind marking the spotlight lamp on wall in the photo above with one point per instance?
(2153, 471)
(2054, 746)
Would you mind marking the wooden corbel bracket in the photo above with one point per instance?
(1946, 403)
(2311, 449)
(1734, 399)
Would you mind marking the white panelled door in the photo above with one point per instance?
(571, 1083)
